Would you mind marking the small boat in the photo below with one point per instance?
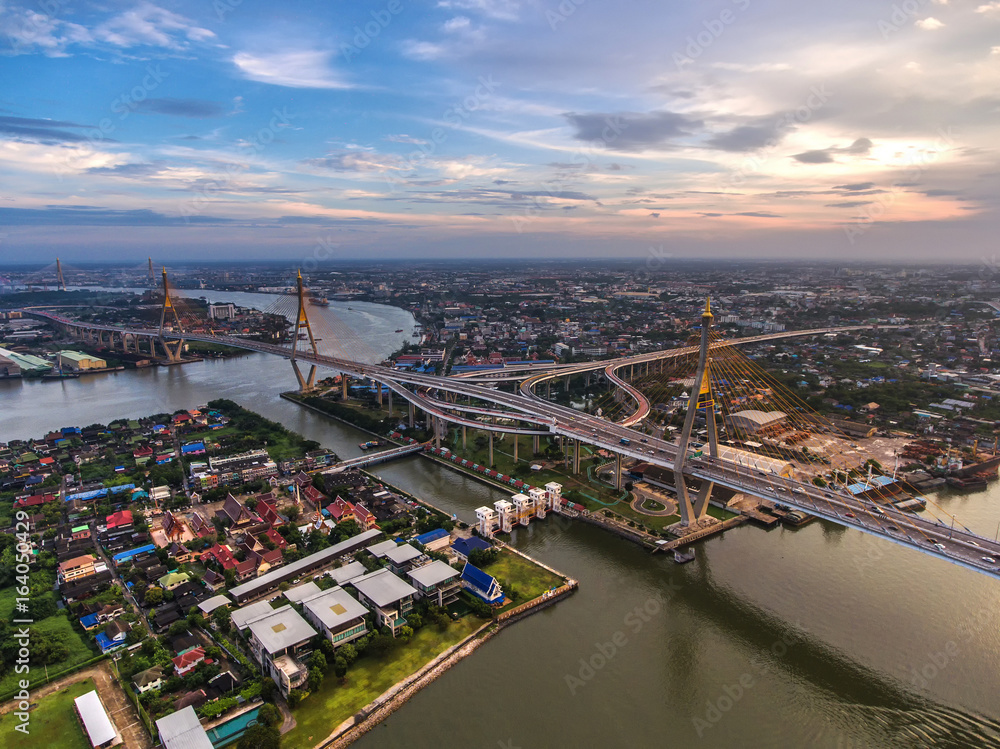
(370, 443)
(399, 330)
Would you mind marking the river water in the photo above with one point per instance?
(817, 636)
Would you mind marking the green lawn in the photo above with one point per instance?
(53, 724)
(367, 678)
(529, 579)
(56, 627)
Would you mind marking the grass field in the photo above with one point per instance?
(53, 723)
(53, 627)
(367, 678)
(529, 579)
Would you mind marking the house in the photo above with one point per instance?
(224, 682)
(402, 558)
(172, 580)
(221, 555)
(387, 596)
(481, 585)
(195, 699)
(77, 568)
(436, 581)
(213, 581)
(434, 540)
(151, 678)
(276, 637)
(119, 519)
(464, 546)
(365, 519)
(114, 636)
(237, 514)
(337, 615)
(181, 553)
(268, 512)
(184, 643)
(246, 570)
(184, 664)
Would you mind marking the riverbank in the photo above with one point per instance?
(388, 702)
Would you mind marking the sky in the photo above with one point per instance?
(320, 130)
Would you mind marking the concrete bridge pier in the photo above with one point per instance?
(576, 456)
(517, 438)
(464, 437)
(378, 392)
(491, 449)
(618, 471)
(343, 390)
(390, 402)
(536, 441)
(566, 385)
(410, 413)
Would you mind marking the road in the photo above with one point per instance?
(958, 545)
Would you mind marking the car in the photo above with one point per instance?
(828, 496)
(939, 546)
(797, 490)
(849, 514)
(892, 528)
(991, 560)
(973, 543)
(643, 440)
(769, 488)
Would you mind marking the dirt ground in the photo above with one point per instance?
(116, 702)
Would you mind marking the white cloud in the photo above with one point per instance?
(147, 24)
(304, 69)
(762, 67)
(417, 50)
(458, 23)
(929, 24)
(991, 7)
(504, 10)
(995, 50)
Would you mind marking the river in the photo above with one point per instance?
(817, 636)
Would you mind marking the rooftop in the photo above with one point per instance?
(301, 592)
(334, 607)
(183, 730)
(95, 718)
(243, 616)
(383, 588)
(282, 629)
(432, 574)
(402, 554)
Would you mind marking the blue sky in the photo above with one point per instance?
(499, 128)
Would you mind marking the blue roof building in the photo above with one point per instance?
(425, 538)
(124, 556)
(462, 546)
(482, 586)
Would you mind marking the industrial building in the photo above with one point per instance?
(101, 732)
(754, 462)
(77, 361)
(312, 562)
(519, 510)
(30, 366)
(751, 421)
(183, 730)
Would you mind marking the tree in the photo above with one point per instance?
(154, 597)
(260, 736)
(349, 653)
(269, 715)
(340, 667)
(318, 662)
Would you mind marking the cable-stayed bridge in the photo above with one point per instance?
(780, 468)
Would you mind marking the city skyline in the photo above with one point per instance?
(497, 128)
